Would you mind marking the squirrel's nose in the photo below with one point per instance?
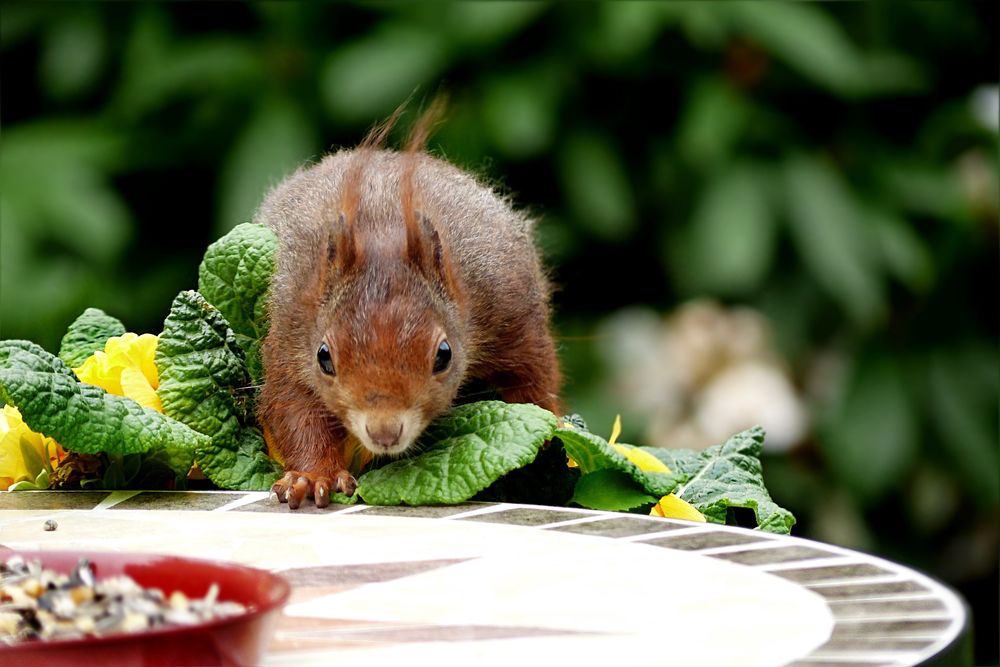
(386, 433)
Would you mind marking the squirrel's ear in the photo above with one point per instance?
(343, 249)
(426, 252)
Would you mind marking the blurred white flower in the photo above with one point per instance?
(702, 374)
(747, 393)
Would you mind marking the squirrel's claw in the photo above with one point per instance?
(296, 486)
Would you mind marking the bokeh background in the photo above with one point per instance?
(754, 212)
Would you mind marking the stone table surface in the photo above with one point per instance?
(491, 584)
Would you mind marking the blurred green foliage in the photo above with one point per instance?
(823, 163)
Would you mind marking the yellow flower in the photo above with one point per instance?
(24, 453)
(669, 505)
(673, 507)
(125, 368)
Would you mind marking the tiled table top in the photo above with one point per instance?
(495, 583)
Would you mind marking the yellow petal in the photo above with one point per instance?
(102, 370)
(11, 461)
(10, 417)
(136, 386)
(616, 430)
(673, 507)
(143, 354)
(643, 459)
(16, 436)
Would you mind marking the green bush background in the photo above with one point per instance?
(821, 163)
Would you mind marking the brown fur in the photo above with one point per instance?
(382, 254)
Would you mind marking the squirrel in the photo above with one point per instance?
(399, 279)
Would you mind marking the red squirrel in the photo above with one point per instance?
(399, 278)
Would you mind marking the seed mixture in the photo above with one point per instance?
(36, 603)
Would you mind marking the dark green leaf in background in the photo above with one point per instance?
(962, 388)
(730, 240)
(276, 139)
(807, 38)
(870, 438)
(520, 110)
(368, 78)
(476, 25)
(714, 119)
(836, 246)
(74, 54)
(158, 69)
(597, 187)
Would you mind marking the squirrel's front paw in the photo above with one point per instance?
(295, 486)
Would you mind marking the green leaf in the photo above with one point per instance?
(75, 49)
(726, 476)
(597, 186)
(204, 383)
(839, 251)
(962, 406)
(903, 251)
(367, 78)
(87, 334)
(242, 464)
(463, 453)
(114, 474)
(40, 483)
(714, 120)
(871, 439)
(235, 277)
(158, 71)
(478, 25)
(592, 453)
(131, 465)
(275, 140)
(731, 239)
(199, 362)
(519, 110)
(82, 417)
(809, 39)
(32, 461)
(610, 490)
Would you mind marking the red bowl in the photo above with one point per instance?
(238, 640)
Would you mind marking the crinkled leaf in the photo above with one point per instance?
(201, 366)
(463, 453)
(727, 476)
(82, 417)
(242, 464)
(235, 276)
(87, 334)
(612, 490)
(592, 452)
(204, 383)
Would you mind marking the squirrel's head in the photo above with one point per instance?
(389, 349)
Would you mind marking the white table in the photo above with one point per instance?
(496, 584)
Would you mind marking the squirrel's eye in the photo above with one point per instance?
(324, 359)
(443, 358)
